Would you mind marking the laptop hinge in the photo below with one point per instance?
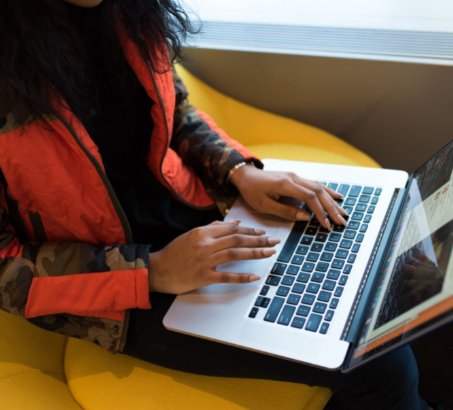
(366, 286)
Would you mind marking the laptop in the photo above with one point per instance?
(339, 299)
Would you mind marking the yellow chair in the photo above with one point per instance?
(41, 370)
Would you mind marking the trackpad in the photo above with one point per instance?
(290, 341)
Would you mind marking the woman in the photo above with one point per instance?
(104, 203)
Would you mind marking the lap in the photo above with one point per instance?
(381, 380)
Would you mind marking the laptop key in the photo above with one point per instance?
(337, 264)
(298, 322)
(342, 254)
(259, 301)
(303, 310)
(346, 243)
(343, 190)
(317, 247)
(350, 201)
(357, 216)
(315, 222)
(371, 209)
(283, 291)
(368, 190)
(355, 191)
(274, 309)
(338, 291)
(312, 257)
(264, 290)
(326, 256)
(378, 191)
(360, 237)
(313, 322)
(273, 280)
(322, 266)
(321, 237)
(333, 274)
(367, 219)
(292, 241)
(350, 234)
(308, 299)
(317, 277)
(337, 228)
(360, 208)
(328, 285)
(324, 296)
(334, 237)
(351, 258)
(313, 288)
(286, 316)
(324, 328)
(302, 250)
(331, 247)
(253, 312)
(266, 302)
(347, 269)
(308, 267)
(374, 200)
(354, 225)
(319, 307)
(298, 288)
(364, 198)
(288, 280)
(363, 228)
(297, 260)
(329, 315)
(348, 209)
(334, 303)
(293, 299)
(343, 280)
(292, 270)
(303, 277)
(311, 231)
(332, 186)
(356, 247)
(306, 240)
(279, 269)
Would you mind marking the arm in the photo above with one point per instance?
(62, 279)
(202, 145)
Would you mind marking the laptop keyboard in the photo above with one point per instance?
(312, 269)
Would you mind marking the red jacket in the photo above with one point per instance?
(67, 258)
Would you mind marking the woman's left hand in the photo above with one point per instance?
(262, 189)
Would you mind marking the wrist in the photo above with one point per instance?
(152, 271)
(240, 173)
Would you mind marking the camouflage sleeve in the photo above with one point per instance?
(203, 146)
(70, 280)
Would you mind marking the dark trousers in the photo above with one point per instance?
(388, 383)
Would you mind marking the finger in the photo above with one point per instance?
(292, 213)
(240, 254)
(332, 193)
(230, 277)
(243, 241)
(220, 230)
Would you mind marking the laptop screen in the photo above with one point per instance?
(415, 286)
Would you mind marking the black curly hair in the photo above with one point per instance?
(44, 48)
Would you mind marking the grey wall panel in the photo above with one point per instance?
(398, 113)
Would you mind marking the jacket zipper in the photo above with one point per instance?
(118, 208)
(167, 144)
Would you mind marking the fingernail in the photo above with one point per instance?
(259, 231)
(254, 278)
(269, 252)
(342, 220)
(328, 225)
(303, 216)
(273, 241)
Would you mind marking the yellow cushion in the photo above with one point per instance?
(252, 126)
(31, 367)
(100, 381)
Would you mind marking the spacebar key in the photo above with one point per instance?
(292, 241)
(274, 309)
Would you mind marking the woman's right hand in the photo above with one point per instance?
(190, 261)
